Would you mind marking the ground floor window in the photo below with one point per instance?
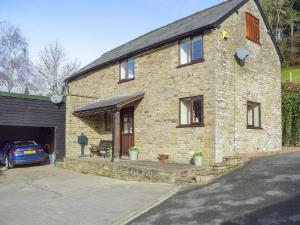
(253, 115)
(191, 111)
(108, 119)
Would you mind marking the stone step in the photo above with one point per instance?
(220, 168)
(232, 160)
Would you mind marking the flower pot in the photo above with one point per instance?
(52, 158)
(163, 158)
(198, 160)
(133, 155)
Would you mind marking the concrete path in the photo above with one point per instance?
(44, 195)
(264, 192)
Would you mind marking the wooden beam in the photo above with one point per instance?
(116, 134)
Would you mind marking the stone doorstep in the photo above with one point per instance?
(182, 175)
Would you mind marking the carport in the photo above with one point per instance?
(31, 117)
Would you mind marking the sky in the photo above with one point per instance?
(88, 28)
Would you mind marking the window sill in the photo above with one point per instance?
(254, 128)
(124, 81)
(191, 125)
(191, 63)
(250, 39)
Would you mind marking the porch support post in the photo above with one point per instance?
(116, 135)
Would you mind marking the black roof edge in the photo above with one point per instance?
(159, 44)
(270, 31)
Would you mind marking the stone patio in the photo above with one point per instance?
(149, 171)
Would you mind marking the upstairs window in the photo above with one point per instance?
(127, 70)
(191, 50)
(252, 28)
(254, 115)
(191, 111)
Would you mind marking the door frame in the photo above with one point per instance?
(130, 108)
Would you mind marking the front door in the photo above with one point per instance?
(127, 130)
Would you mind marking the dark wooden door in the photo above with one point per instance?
(127, 130)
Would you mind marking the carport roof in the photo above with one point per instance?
(108, 104)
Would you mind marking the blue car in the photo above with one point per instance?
(21, 153)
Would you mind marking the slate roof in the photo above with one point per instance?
(202, 20)
(109, 103)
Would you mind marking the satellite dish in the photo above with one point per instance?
(56, 99)
(242, 54)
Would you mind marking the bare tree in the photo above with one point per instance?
(15, 66)
(276, 12)
(53, 67)
(292, 16)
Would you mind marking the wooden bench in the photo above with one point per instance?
(103, 149)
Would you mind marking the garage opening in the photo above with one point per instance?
(44, 136)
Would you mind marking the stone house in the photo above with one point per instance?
(210, 82)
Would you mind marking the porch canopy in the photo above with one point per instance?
(109, 104)
(112, 106)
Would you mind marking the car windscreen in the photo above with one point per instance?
(19, 144)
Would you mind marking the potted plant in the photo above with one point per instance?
(133, 153)
(52, 158)
(163, 158)
(198, 158)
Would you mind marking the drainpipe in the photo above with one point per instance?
(113, 136)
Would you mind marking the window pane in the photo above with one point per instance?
(108, 119)
(197, 48)
(185, 52)
(256, 116)
(123, 70)
(250, 116)
(197, 111)
(130, 69)
(185, 112)
(252, 28)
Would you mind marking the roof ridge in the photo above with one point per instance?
(203, 19)
(201, 11)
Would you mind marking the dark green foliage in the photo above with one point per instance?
(297, 5)
(290, 48)
(291, 114)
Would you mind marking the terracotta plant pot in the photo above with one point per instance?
(163, 158)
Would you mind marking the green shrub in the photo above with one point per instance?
(291, 114)
(133, 149)
(198, 153)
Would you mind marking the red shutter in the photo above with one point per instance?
(252, 28)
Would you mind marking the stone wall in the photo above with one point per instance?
(156, 116)
(219, 78)
(258, 81)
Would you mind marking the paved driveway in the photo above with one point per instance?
(264, 192)
(44, 195)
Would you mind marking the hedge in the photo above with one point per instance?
(291, 114)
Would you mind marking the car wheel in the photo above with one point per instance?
(8, 165)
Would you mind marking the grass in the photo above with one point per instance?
(285, 73)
